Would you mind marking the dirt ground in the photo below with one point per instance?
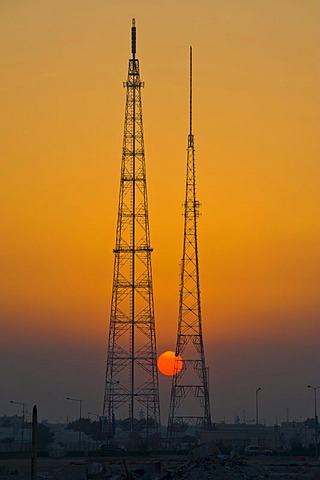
(163, 467)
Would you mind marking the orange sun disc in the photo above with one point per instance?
(169, 363)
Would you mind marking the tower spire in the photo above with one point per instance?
(133, 38)
(131, 371)
(190, 94)
(189, 401)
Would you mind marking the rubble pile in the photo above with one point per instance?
(216, 468)
(201, 464)
(211, 468)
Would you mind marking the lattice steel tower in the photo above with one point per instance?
(131, 372)
(189, 403)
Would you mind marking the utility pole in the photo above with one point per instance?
(131, 370)
(34, 443)
(257, 405)
(189, 402)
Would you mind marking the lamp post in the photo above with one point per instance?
(315, 419)
(23, 414)
(80, 416)
(257, 405)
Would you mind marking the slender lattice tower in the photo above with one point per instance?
(131, 373)
(189, 403)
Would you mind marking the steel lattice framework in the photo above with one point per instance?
(191, 383)
(131, 371)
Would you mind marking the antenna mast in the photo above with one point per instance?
(189, 402)
(131, 372)
(190, 143)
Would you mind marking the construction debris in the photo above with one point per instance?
(236, 467)
(200, 464)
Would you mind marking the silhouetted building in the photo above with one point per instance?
(231, 435)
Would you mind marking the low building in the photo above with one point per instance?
(232, 435)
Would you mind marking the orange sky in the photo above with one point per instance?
(256, 124)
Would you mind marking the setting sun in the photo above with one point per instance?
(169, 363)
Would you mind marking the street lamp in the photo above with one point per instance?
(23, 414)
(80, 416)
(257, 405)
(315, 419)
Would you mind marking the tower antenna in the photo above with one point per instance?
(189, 401)
(190, 92)
(133, 38)
(131, 382)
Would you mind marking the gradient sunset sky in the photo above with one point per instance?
(256, 126)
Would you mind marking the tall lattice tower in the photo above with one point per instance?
(189, 403)
(131, 373)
